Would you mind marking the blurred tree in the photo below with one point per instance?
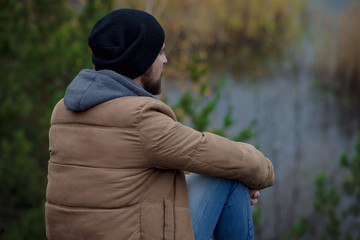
(234, 33)
(337, 205)
(337, 51)
(348, 63)
(198, 102)
(42, 46)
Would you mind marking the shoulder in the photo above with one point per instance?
(119, 111)
(141, 105)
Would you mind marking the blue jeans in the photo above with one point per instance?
(219, 207)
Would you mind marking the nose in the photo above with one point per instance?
(164, 59)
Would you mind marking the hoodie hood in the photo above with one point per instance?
(90, 88)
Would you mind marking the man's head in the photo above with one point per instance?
(127, 41)
(151, 79)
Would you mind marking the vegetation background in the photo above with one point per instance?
(43, 45)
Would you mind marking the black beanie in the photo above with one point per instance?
(126, 41)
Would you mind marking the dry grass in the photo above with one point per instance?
(231, 31)
(348, 63)
(337, 50)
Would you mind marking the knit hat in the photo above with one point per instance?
(126, 41)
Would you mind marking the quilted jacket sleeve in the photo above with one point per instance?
(168, 144)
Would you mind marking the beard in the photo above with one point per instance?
(152, 83)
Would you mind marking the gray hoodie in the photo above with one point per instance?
(91, 87)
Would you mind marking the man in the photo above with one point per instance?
(117, 154)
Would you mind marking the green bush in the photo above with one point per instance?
(193, 110)
(43, 44)
(335, 203)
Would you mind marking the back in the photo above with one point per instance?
(99, 177)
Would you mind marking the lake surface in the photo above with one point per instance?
(301, 128)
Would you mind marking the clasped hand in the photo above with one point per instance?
(254, 196)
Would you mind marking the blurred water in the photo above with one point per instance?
(302, 129)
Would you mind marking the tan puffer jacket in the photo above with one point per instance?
(116, 170)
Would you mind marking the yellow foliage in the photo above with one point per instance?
(208, 92)
(98, 4)
(337, 52)
(180, 113)
(223, 26)
(349, 48)
(79, 62)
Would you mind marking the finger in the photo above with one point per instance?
(255, 194)
(251, 193)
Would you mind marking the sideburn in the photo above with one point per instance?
(151, 84)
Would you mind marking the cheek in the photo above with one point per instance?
(159, 68)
